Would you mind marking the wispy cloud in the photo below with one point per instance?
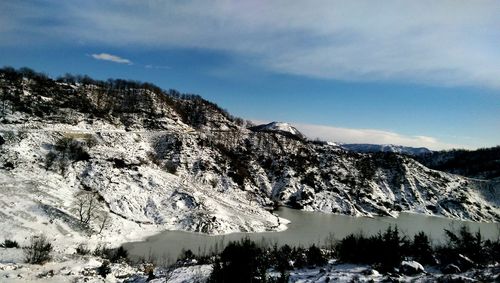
(112, 58)
(369, 136)
(446, 42)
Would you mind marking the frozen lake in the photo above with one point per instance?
(306, 228)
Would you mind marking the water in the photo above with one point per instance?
(306, 228)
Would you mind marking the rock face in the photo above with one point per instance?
(180, 162)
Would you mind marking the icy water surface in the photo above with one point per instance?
(306, 228)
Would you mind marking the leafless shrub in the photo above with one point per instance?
(38, 251)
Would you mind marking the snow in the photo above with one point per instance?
(62, 268)
(411, 267)
(143, 198)
(197, 273)
(78, 268)
(280, 127)
(341, 272)
(143, 201)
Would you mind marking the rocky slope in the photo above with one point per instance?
(162, 160)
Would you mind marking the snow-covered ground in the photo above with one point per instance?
(77, 268)
(63, 268)
(333, 272)
(130, 169)
(142, 200)
(216, 178)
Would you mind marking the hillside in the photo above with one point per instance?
(164, 160)
(483, 163)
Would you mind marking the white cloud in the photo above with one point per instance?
(445, 42)
(112, 58)
(369, 136)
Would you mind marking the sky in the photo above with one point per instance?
(415, 73)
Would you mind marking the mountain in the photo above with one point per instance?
(483, 163)
(281, 128)
(366, 148)
(164, 160)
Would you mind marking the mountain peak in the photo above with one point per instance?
(279, 127)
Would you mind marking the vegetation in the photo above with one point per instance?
(8, 244)
(82, 249)
(88, 207)
(421, 249)
(38, 251)
(114, 96)
(67, 150)
(120, 98)
(239, 262)
(464, 245)
(113, 255)
(104, 269)
(462, 248)
(246, 261)
(375, 249)
(481, 163)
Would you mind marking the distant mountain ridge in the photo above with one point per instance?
(366, 148)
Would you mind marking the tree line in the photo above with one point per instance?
(113, 96)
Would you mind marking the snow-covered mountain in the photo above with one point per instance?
(161, 160)
(367, 148)
(280, 127)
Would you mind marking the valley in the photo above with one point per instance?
(155, 160)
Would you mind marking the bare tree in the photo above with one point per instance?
(90, 210)
(103, 221)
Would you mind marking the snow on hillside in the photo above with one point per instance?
(142, 198)
(76, 268)
(160, 161)
(279, 127)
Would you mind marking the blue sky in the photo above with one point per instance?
(417, 73)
